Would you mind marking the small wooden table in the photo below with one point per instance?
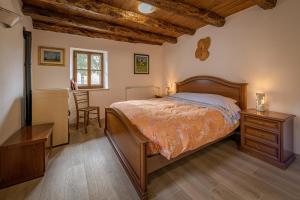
(24, 155)
(268, 136)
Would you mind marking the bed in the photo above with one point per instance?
(132, 145)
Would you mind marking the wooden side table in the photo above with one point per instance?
(268, 136)
(25, 154)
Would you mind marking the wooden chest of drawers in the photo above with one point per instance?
(268, 136)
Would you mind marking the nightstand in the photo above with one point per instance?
(268, 136)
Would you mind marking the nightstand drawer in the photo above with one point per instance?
(261, 148)
(261, 134)
(263, 123)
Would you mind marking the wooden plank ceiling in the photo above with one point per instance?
(122, 21)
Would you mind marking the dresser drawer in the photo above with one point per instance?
(261, 134)
(263, 123)
(261, 148)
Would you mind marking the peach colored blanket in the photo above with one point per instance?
(174, 127)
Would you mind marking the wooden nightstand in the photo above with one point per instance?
(268, 136)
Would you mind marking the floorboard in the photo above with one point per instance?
(88, 169)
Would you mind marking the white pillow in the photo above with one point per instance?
(203, 97)
(226, 105)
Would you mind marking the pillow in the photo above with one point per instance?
(224, 104)
(203, 97)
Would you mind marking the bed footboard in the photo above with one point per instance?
(130, 147)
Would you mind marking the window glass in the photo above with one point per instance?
(82, 61)
(96, 62)
(96, 78)
(82, 77)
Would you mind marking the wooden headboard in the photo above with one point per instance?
(214, 85)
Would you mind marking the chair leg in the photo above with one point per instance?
(77, 120)
(98, 114)
(88, 118)
(85, 121)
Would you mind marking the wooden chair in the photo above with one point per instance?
(83, 106)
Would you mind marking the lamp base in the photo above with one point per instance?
(260, 108)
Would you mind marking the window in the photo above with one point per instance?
(88, 69)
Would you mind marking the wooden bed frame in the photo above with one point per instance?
(130, 144)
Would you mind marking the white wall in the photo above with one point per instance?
(11, 73)
(256, 46)
(120, 65)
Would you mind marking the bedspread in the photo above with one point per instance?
(175, 127)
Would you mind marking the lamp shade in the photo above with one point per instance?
(260, 101)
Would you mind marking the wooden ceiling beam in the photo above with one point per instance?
(102, 11)
(83, 32)
(93, 25)
(187, 10)
(266, 4)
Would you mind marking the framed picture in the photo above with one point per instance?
(51, 56)
(141, 64)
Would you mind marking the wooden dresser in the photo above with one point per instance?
(24, 155)
(268, 136)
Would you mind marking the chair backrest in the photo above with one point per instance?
(81, 98)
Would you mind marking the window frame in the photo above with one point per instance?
(89, 69)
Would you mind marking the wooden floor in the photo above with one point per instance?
(89, 169)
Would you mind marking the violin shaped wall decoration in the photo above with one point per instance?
(202, 49)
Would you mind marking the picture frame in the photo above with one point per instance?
(141, 63)
(51, 56)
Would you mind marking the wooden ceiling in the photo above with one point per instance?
(122, 21)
